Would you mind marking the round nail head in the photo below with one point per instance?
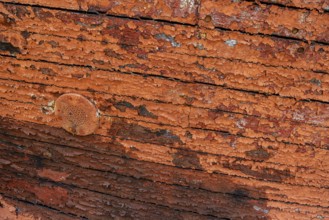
(208, 18)
(76, 114)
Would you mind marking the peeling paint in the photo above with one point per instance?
(168, 39)
(260, 209)
(231, 42)
(298, 116)
(187, 5)
(241, 123)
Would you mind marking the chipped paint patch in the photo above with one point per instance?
(168, 39)
(49, 108)
(259, 209)
(316, 81)
(303, 17)
(187, 5)
(198, 46)
(298, 117)
(231, 42)
(241, 123)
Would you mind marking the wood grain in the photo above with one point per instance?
(208, 109)
(175, 111)
(184, 11)
(236, 193)
(274, 20)
(11, 208)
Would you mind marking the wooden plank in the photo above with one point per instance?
(13, 209)
(178, 115)
(155, 34)
(184, 11)
(202, 42)
(185, 128)
(134, 142)
(256, 18)
(196, 94)
(181, 11)
(64, 76)
(82, 202)
(321, 5)
(193, 139)
(176, 198)
(125, 184)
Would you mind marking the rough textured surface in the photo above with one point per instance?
(307, 4)
(13, 209)
(130, 173)
(131, 54)
(184, 11)
(207, 109)
(257, 115)
(266, 19)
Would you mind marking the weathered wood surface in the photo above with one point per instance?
(266, 19)
(172, 10)
(307, 4)
(165, 184)
(208, 109)
(133, 122)
(18, 209)
(172, 38)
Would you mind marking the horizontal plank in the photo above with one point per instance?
(108, 104)
(181, 11)
(13, 209)
(175, 92)
(82, 202)
(174, 197)
(131, 143)
(63, 173)
(307, 4)
(183, 126)
(232, 73)
(173, 10)
(161, 113)
(255, 127)
(100, 206)
(176, 38)
(256, 18)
